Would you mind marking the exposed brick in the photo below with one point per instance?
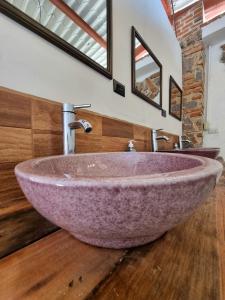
(188, 24)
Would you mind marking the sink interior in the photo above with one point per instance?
(112, 165)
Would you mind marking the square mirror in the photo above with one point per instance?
(175, 99)
(146, 72)
(80, 28)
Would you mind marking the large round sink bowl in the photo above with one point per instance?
(117, 200)
(205, 152)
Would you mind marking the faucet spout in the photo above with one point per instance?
(156, 138)
(183, 140)
(81, 124)
(163, 137)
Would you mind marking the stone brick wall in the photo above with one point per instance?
(188, 27)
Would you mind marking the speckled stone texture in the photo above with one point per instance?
(205, 152)
(118, 200)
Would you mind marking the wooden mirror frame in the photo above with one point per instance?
(170, 99)
(14, 13)
(135, 34)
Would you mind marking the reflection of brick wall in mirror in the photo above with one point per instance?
(150, 86)
(175, 100)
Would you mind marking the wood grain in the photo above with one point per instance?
(15, 144)
(46, 115)
(46, 144)
(142, 133)
(14, 207)
(86, 143)
(9, 188)
(57, 267)
(114, 144)
(183, 264)
(117, 128)
(20, 229)
(15, 109)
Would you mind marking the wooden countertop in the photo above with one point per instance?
(186, 263)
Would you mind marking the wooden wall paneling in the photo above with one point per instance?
(47, 127)
(142, 133)
(15, 109)
(87, 142)
(12, 198)
(21, 229)
(116, 128)
(114, 144)
(47, 143)
(47, 115)
(15, 144)
(9, 188)
(57, 267)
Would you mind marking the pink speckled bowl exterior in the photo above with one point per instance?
(117, 200)
(205, 152)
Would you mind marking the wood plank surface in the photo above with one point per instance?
(15, 109)
(56, 267)
(15, 144)
(20, 229)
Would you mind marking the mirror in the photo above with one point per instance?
(81, 28)
(175, 99)
(146, 72)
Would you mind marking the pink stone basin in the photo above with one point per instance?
(118, 200)
(205, 152)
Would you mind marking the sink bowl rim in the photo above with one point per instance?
(208, 167)
(193, 149)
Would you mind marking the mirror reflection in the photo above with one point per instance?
(147, 72)
(80, 24)
(175, 105)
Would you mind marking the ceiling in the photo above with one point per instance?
(93, 12)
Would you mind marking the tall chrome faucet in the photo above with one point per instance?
(156, 138)
(70, 124)
(182, 140)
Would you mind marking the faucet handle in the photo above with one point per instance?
(81, 106)
(159, 129)
(67, 107)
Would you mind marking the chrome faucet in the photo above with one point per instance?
(70, 124)
(182, 140)
(156, 138)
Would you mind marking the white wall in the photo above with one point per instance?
(30, 64)
(214, 136)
